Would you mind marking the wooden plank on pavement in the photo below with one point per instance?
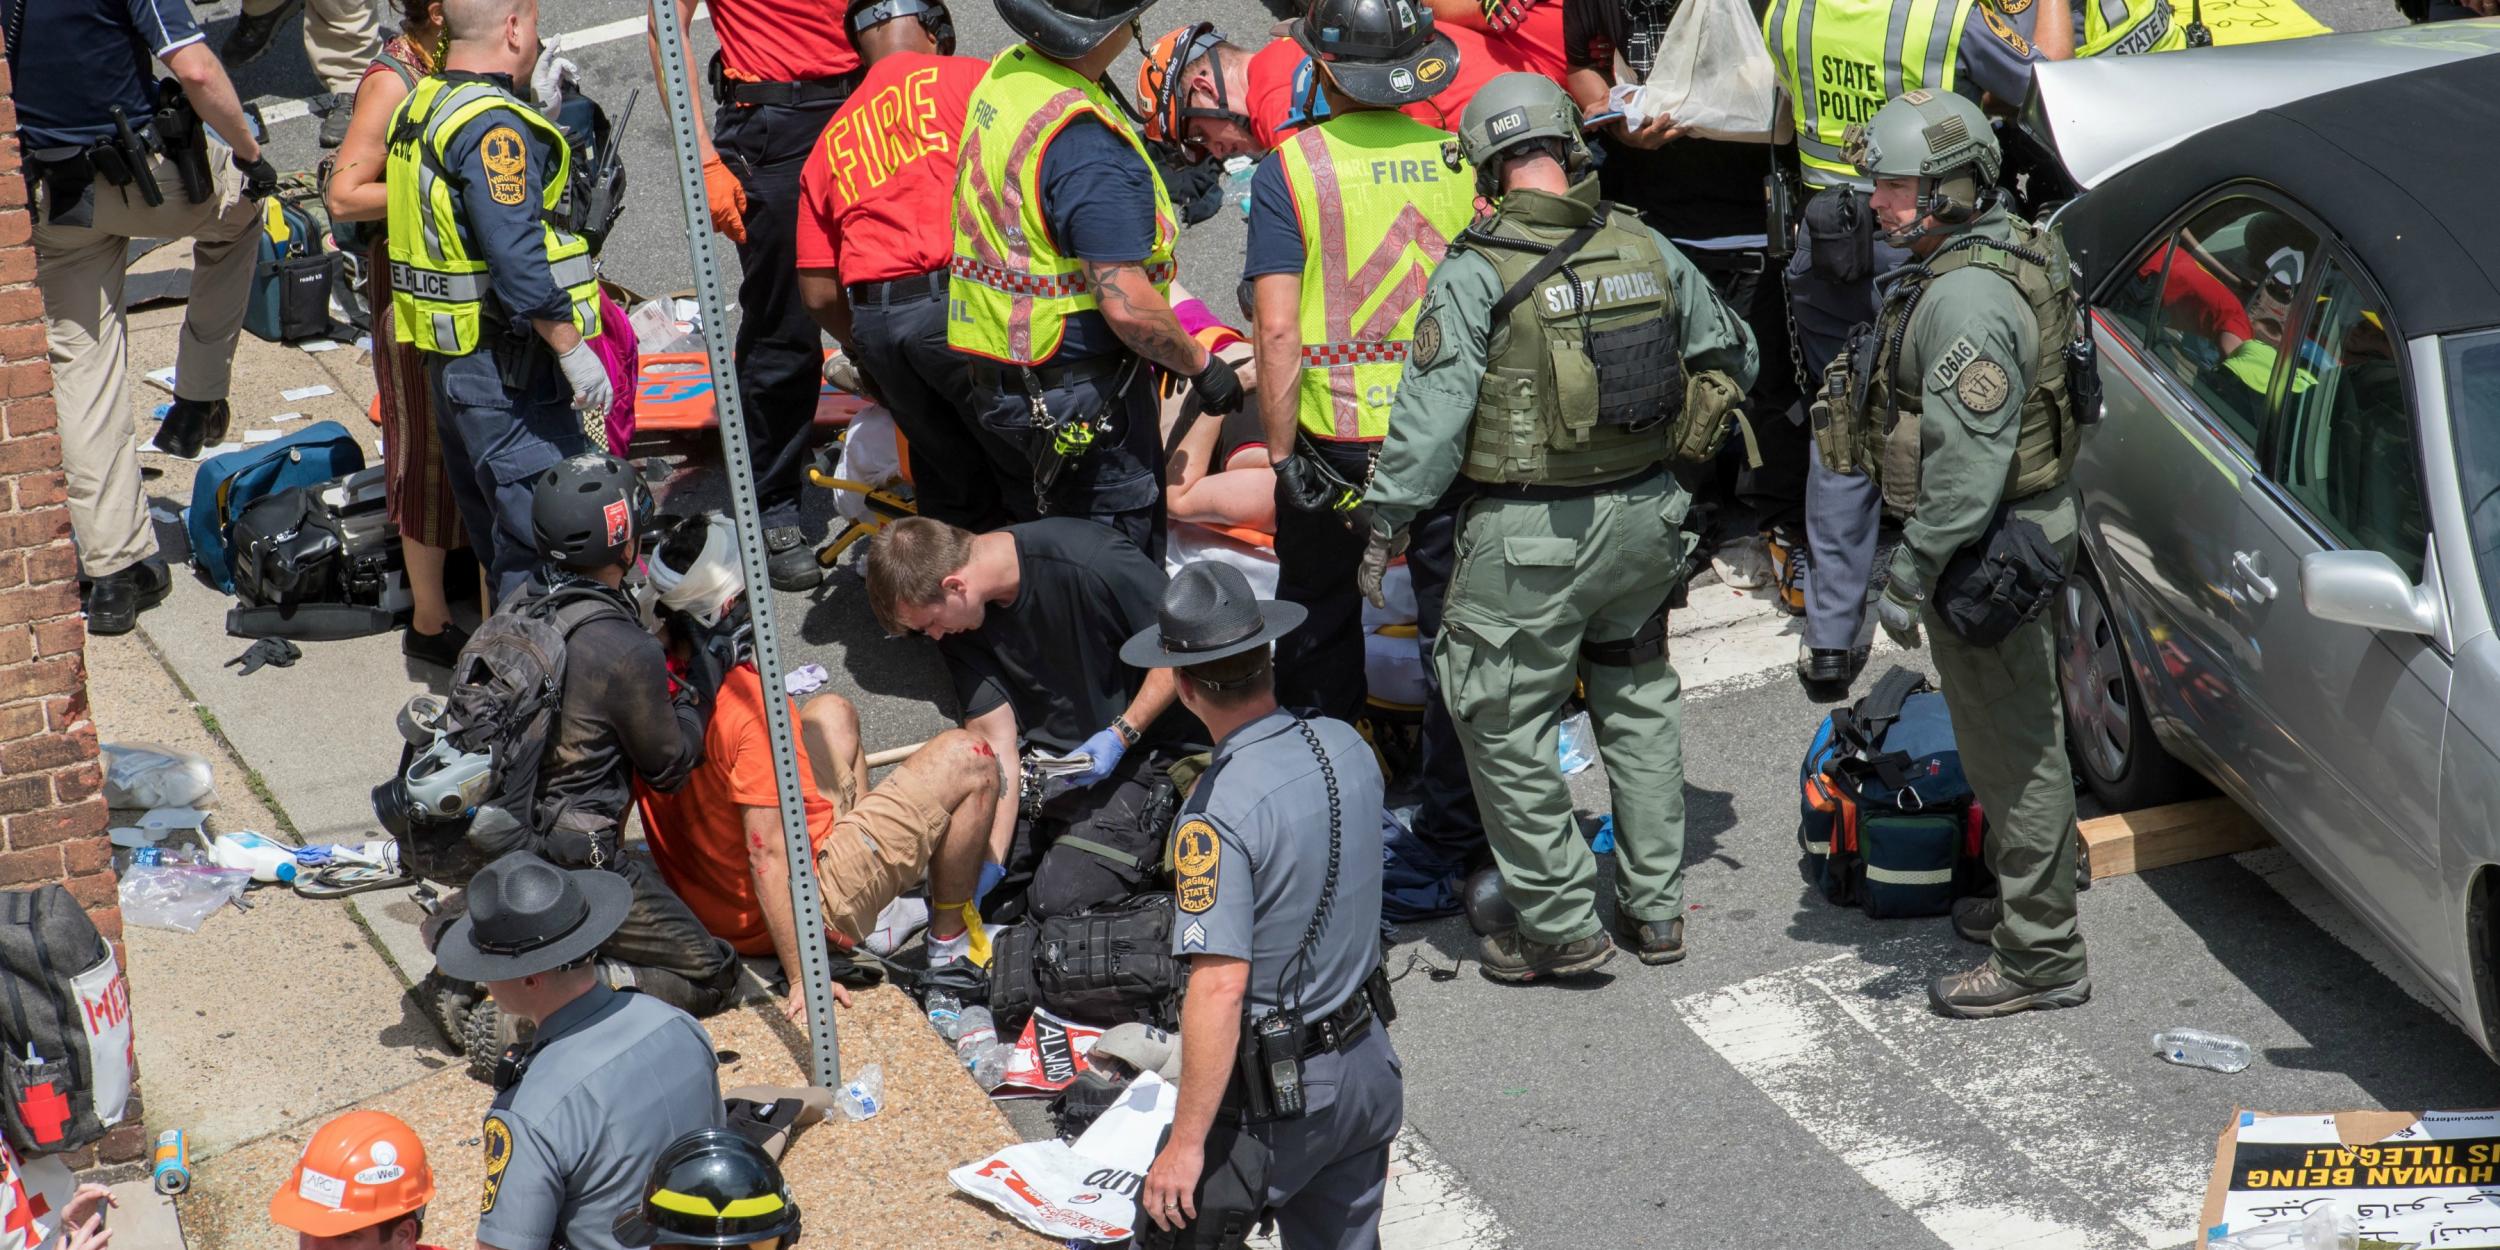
(2175, 833)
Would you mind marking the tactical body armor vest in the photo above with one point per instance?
(1872, 424)
(1585, 379)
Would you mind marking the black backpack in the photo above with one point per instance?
(508, 682)
(1104, 966)
(65, 1021)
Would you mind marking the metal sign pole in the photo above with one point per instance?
(677, 87)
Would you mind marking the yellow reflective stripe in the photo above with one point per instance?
(1909, 876)
(1900, 46)
(696, 1204)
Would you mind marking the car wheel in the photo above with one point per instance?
(2106, 728)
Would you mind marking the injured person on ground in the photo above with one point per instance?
(718, 838)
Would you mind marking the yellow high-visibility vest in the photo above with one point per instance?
(2126, 27)
(1010, 291)
(1378, 207)
(438, 278)
(1840, 60)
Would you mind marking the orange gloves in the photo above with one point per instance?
(728, 199)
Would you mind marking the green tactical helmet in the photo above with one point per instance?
(1926, 134)
(1511, 109)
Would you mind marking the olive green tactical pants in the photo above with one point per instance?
(2010, 724)
(1534, 581)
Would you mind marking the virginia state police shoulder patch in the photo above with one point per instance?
(1196, 851)
(1427, 346)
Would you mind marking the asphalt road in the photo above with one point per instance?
(1786, 1085)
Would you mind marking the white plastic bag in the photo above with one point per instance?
(1714, 74)
(145, 774)
(178, 896)
(871, 455)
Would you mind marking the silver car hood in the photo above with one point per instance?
(2102, 114)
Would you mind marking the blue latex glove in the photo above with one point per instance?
(1105, 750)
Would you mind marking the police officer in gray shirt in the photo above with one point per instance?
(584, 1109)
(1289, 1092)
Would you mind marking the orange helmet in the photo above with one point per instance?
(1163, 84)
(356, 1171)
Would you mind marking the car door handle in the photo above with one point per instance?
(2259, 586)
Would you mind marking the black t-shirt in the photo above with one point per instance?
(616, 721)
(1689, 189)
(1053, 653)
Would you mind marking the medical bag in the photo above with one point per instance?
(1104, 966)
(318, 562)
(227, 484)
(65, 1023)
(1887, 820)
(292, 280)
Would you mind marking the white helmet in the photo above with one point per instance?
(709, 585)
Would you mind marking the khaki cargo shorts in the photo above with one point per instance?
(878, 849)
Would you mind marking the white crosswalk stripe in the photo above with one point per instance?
(1980, 1135)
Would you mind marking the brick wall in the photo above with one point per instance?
(52, 813)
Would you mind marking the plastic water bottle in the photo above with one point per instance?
(978, 1033)
(1576, 744)
(946, 1016)
(863, 1095)
(1238, 171)
(2196, 1048)
(989, 1068)
(265, 858)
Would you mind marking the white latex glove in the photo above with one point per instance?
(550, 78)
(584, 372)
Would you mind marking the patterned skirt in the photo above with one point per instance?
(412, 456)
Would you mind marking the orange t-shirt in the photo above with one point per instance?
(698, 834)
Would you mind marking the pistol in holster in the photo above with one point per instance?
(185, 140)
(125, 159)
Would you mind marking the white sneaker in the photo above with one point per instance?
(895, 925)
(1743, 564)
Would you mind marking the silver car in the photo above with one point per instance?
(2291, 556)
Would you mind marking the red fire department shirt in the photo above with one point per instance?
(1270, 107)
(877, 199)
(1481, 59)
(1282, 101)
(782, 40)
(1535, 42)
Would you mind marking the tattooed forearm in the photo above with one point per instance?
(1140, 316)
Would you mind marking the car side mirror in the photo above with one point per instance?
(2365, 588)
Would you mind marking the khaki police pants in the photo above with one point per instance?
(1536, 580)
(341, 38)
(80, 271)
(2010, 722)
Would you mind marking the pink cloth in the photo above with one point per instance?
(623, 358)
(1195, 316)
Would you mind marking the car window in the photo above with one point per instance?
(2132, 303)
(2228, 279)
(2473, 367)
(2345, 449)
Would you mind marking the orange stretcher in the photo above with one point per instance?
(676, 396)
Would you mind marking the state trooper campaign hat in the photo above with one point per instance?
(1380, 52)
(527, 916)
(1209, 612)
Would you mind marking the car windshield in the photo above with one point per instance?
(2473, 367)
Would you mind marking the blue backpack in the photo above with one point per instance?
(228, 484)
(1886, 819)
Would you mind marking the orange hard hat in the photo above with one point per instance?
(356, 1171)
(1163, 80)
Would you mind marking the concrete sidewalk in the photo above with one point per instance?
(269, 1021)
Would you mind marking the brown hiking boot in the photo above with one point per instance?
(1653, 941)
(1512, 957)
(1983, 993)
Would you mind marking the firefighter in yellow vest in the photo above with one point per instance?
(490, 282)
(1961, 406)
(1063, 256)
(1838, 61)
(1348, 219)
(1566, 353)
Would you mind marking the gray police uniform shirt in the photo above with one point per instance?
(1250, 853)
(614, 1079)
